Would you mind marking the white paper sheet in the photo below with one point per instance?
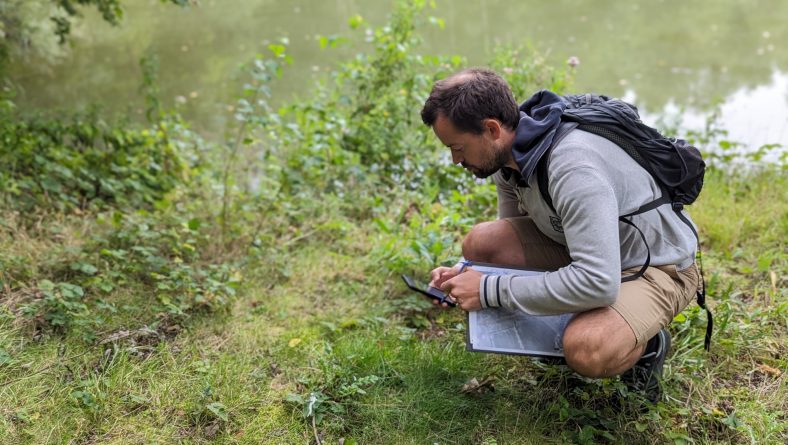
(514, 332)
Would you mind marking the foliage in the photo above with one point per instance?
(156, 256)
(362, 128)
(164, 253)
(253, 110)
(85, 162)
(720, 152)
(134, 188)
(527, 71)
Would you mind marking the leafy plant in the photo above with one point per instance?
(85, 162)
(218, 410)
(60, 305)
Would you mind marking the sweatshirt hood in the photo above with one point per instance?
(540, 117)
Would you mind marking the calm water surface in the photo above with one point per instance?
(667, 56)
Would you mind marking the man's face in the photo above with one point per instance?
(481, 154)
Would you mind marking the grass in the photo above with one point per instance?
(384, 367)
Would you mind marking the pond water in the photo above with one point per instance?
(668, 56)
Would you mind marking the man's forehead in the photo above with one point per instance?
(444, 128)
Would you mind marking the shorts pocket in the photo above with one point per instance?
(667, 284)
(690, 283)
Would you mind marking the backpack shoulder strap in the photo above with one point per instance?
(541, 167)
(541, 178)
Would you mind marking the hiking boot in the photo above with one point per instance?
(645, 376)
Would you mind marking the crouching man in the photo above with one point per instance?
(619, 323)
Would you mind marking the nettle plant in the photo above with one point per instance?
(360, 130)
(84, 162)
(159, 256)
(164, 254)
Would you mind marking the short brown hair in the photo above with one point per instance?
(470, 96)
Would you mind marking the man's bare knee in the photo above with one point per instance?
(475, 246)
(599, 343)
(493, 242)
(584, 354)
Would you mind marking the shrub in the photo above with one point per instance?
(83, 162)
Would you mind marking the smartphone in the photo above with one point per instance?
(432, 292)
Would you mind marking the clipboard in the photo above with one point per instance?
(502, 331)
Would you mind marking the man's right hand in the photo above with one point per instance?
(441, 274)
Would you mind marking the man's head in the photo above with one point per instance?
(474, 113)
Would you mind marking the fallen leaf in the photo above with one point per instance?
(136, 335)
(766, 369)
(475, 386)
(294, 342)
(471, 384)
(279, 383)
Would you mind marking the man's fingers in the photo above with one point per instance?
(447, 285)
(437, 302)
(435, 276)
(439, 275)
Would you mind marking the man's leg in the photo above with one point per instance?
(493, 242)
(599, 343)
(607, 341)
(602, 342)
(514, 242)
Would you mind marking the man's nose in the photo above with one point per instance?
(456, 157)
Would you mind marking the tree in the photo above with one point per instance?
(28, 26)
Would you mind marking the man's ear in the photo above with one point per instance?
(493, 128)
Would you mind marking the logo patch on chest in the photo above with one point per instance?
(556, 223)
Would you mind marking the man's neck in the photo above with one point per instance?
(511, 163)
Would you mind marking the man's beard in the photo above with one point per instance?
(491, 166)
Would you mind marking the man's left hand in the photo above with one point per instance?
(464, 289)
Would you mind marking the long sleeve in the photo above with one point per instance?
(587, 207)
(592, 181)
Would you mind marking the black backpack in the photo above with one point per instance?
(675, 165)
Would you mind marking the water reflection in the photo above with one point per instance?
(759, 114)
(667, 53)
(753, 115)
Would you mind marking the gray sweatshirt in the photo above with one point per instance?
(591, 182)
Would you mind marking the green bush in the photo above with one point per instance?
(83, 162)
(358, 141)
(158, 257)
(163, 252)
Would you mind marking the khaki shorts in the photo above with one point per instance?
(647, 304)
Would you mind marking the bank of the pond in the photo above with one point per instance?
(329, 349)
